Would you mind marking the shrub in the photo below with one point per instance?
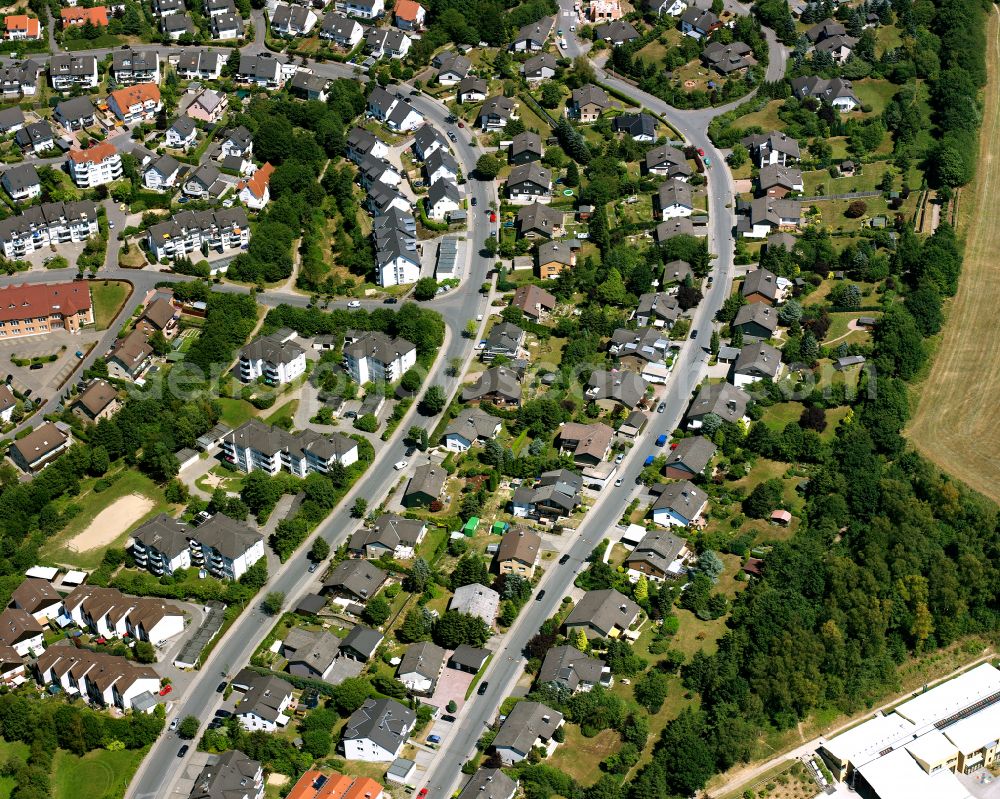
(856, 209)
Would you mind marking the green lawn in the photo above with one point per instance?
(97, 775)
(887, 38)
(781, 414)
(581, 757)
(235, 411)
(108, 296)
(286, 411)
(91, 503)
(871, 175)
(876, 93)
(767, 117)
(104, 40)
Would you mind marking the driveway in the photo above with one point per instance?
(192, 768)
(452, 686)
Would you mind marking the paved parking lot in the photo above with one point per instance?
(51, 377)
(70, 251)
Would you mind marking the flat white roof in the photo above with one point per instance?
(74, 577)
(952, 697)
(976, 731)
(932, 748)
(42, 572)
(899, 776)
(864, 742)
(633, 534)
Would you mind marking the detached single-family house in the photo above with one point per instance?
(355, 580)
(588, 103)
(697, 23)
(76, 113)
(532, 37)
(533, 301)
(441, 165)
(669, 162)
(659, 556)
(310, 654)
(519, 551)
(443, 198)
(657, 309)
(640, 127)
(674, 199)
(390, 535)
(524, 148)
(409, 14)
(255, 192)
(489, 783)
(772, 148)
(182, 133)
(364, 9)
(377, 730)
(760, 285)
(342, 31)
(756, 362)
(722, 399)
(529, 182)
(728, 59)
(420, 667)
(472, 426)
(129, 356)
(264, 703)
(137, 103)
(472, 89)
(99, 400)
(602, 614)
(426, 485)
(777, 181)
(497, 112)
(588, 443)
(554, 257)
(689, 457)
(529, 724)
(679, 504)
(834, 91)
(22, 182)
(554, 496)
(360, 643)
(540, 67)
(227, 26)
(609, 388)
(757, 321)
(568, 666)
(498, 385)
(616, 33)
(162, 173)
(452, 67)
(768, 215)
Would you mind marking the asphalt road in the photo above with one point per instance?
(161, 765)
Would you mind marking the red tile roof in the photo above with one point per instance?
(31, 300)
(259, 182)
(94, 154)
(407, 10)
(17, 23)
(98, 15)
(135, 95)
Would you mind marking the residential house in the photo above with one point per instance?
(387, 42)
(453, 68)
(657, 309)
(569, 667)
(756, 320)
(605, 10)
(208, 106)
(263, 71)
(21, 27)
(659, 556)
(225, 547)
(504, 339)
(555, 495)
(728, 59)
(182, 133)
(275, 357)
(834, 91)
(532, 37)
(553, 258)
(825, 29)
(11, 120)
(498, 385)
(529, 724)
(362, 144)
(497, 112)
(615, 387)
(79, 16)
(355, 580)
(39, 448)
(255, 192)
(316, 785)
(19, 79)
(698, 23)
(397, 258)
(264, 703)
(756, 362)
(306, 85)
(205, 182)
(760, 285)
(22, 182)
(130, 66)
(364, 9)
(633, 425)
(767, 215)
(472, 89)
(540, 67)
(164, 8)
(256, 446)
(420, 667)
(236, 142)
(426, 485)
(189, 231)
(99, 400)
(45, 225)
(529, 182)
(839, 48)
(588, 443)
(469, 659)
(109, 613)
(427, 141)
(679, 504)
(231, 775)
(20, 631)
(98, 165)
(616, 33)
(441, 165)
(689, 457)
(588, 103)
(443, 198)
(67, 70)
(640, 127)
(476, 600)
(390, 535)
(76, 113)
(8, 404)
(393, 110)
(129, 356)
(227, 26)
(198, 64)
(471, 426)
(176, 26)
(602, 614)
(375, 357)
(674, 198)
(137, 103)
(290, 20)
(774, 148)
(409, 14)
(96, 677)
(360, 643)
(377, 730)
(162, 173)
(310, 654)
(342, 31)
(519, 551)
(777, 181)
(489, 783)
(217, 8)
(722, 399)
(524, 148)
(635, 349)
(669, 162)
(38, 598)
(533, 301)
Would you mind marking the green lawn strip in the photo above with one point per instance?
(581, 757)
(286, 411)
(92, 503)
(100, 774)
(235, 411)
(781, 414)
(108, 296)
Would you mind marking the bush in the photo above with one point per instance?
(856, 209)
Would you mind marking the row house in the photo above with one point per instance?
(110, 613)
(96, 677)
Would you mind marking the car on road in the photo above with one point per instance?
(661, 407)
(701, 151)
(351, 415)
(390, 301)
(111, 224)
(422, 794)
(79, 354)
(619, 481)
(482, 687)
(540, 595)
(452, 136)
(183, 750)
(312, 567)
(559, 31)
(708, 162)
(661, 440)
(479, 317)
(474, 201)
(354, 304)
(649, 460)
(399, 465)
(410, 451)
(619, 457)
(173, 724)
(711, 280)
(221, 687)
(694, 334)
(461, 124)
(564, 560)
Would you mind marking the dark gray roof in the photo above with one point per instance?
(636, 125)
(500, 107)
(658, 305)
(489, 783)
(11, 118)
(442, 190)
(262, 66)
(760, 281)
(426, 136)
(496, 380)
(427, 479)
(129, 60)
(658, 548)
(424, 658)
(528, 141)
(376, 345)
(682, 497)
(788, 177)
(362, 639)
(72, 64)
(674, 192)
(165, 534)
(617, 32)
(759, 313)
(357, 577)
(228, 536)
(184, 126)
(531, 172)
(622, 386)
(536, 63)
(75, 108)
(504, 336)
(568, 665)
(694, 453)
(390, 530)
(385, 722)
(230, 775)
(723, 399)
(473, 424)
(455, 64)
(441, 158)
(21, 177)
(307, 82)
(535, 31)
(605, 610)
(471, 657)
(264, 697)
(472, 83)
(590, 94)
(826, 90)
(178, 23)
(525, 724)
(272, 349)
(659, 157)
(338, 25)
(773, 141)
(319, 651)
(758, 359)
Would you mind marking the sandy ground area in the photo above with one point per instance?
(111, 522)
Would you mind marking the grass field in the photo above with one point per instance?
(876, 93)
(868, 180)
(108, 296)
(97, 775)
(235, 411)
(581, 757)
(950, 425)
(92, 503)
(767, 117)
(286, 411)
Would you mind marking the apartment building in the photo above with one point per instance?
(192, 231)
(375, 357)
(67, 70)
(36, 308)
(276, 358)
(96, 166)
(130, 66)
(138, 103)
(255, 446)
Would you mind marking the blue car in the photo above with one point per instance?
(433, 739)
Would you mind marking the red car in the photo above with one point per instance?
(701, 151)
(166, 689)
(493, 216)
(461, 124)
(422, 794)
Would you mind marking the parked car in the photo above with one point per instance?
(183, 750)
(312, 567)
(452, 136)
(399, 465)
(540, 595)
(661, 440)
(433, 739)
(354, 304)
(649, 460)
(483, 686)
(662, 407)
(619, 457)
(221, 687)
(174, 723)
(564, 560)
(473, 201)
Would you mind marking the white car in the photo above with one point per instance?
(354, 304)
(399, 465)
